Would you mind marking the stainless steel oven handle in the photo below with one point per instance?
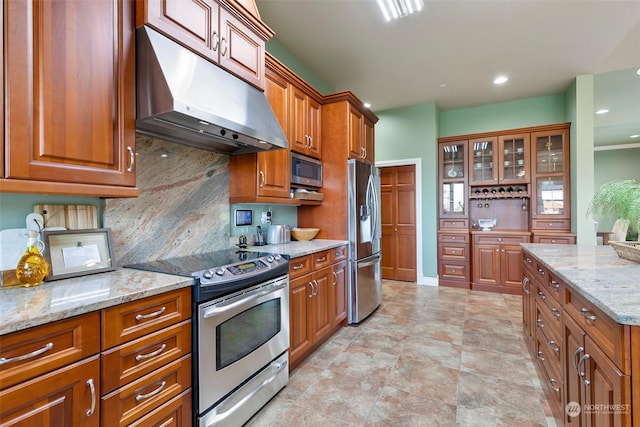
(224, 413)
(224, 306)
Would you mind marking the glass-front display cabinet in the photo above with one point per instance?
(453, 197)
(514, 159)
(482, 161)
(550, 202)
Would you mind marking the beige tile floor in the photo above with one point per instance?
(429, 356)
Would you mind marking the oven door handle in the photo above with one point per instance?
(225, 306)
(224, 412)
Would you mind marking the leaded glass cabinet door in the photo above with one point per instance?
(483, 165)
(453, 170)
(514, 159)
(550, 201)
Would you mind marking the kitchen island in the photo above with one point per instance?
(581, 317)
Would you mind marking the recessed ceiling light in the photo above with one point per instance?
(500, 80)
(602, 111)
(164, 155)
(638, 72)
(367, 105)
(635, 136)
(443, 84)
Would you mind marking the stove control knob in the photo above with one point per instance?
(220, 271)
(277, 257)
(207, 274)
(269, 259)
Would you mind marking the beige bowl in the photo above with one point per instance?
(304, 233)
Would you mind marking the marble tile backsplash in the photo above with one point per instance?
(183, 207)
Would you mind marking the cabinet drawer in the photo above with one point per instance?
(338, 254)
(606, 333)
(454, 271)
(493, 238)
(320, 259)
(139, 397)
(41, 349)
(453, 237)
(550, 283)
(454, 223)
(299, 266)
(551, 224)
(551, 373)
(528, 262)
(453, 252)
(554, 239)
(135, 319)
(134, 359)
(176, 412)
(549, 321)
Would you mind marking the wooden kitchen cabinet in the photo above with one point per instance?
(146, 356)
(305, 117)
(550, 182)
(528, 299)
(502, 159)
(70, 114)
(497, 260)
(361, 136)
(52, 372)
(222, 32)
(454, 259)
(317, 300)
(265, 177)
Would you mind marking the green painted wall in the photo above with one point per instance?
(612, 165)
(541, 110)
(409, 133)
(15, 207)
(287, 58)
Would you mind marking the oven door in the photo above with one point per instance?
(238, 335)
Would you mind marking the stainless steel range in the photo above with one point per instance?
(241, 331)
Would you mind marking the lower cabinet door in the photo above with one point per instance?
(300, 335)
(68, 396)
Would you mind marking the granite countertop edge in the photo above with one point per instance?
(296, 249)
(596, 273)
(22, 308)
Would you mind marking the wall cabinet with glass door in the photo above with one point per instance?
(453, 197)
(550, 199)
(499, 160)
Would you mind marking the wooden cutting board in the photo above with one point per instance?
(72, 217)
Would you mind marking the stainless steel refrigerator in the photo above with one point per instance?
(365, 274)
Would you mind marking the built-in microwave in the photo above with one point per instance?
(306, 171)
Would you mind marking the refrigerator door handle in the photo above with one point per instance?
(369, 261)
(372, 195)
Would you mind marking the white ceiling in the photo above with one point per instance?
(542, 45)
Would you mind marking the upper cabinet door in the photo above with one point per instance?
(453, 197)
(514, 159)
(241, 51)
(70, 79)
(194, 23)
(483, 168)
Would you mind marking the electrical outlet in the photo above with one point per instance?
(265, 218)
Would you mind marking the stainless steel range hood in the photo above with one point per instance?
(184, 98)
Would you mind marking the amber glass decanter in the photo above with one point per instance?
(32, 267)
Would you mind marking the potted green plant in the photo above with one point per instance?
(620, 199)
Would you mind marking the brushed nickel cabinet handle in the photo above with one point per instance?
(575, 357)
(554, 346)
(262, 179)
(315, 282)
(541, 272)
(223, 46)
(132, 159)
(525, 282)
(540, 355)
(553, 381)
(582, 373)
(555, 285)
(151, 394)
(539, 323)
(323, 259)
(542, 295)
(216, 40)
(586, 314)
(335, 278)
(312, 290)
(92, 388)
(140, 357)
(298, 267)
(34, 353)
(151, 315)
(555, 312)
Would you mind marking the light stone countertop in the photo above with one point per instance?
(22, 308)
(611, 283)
(299, 248)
